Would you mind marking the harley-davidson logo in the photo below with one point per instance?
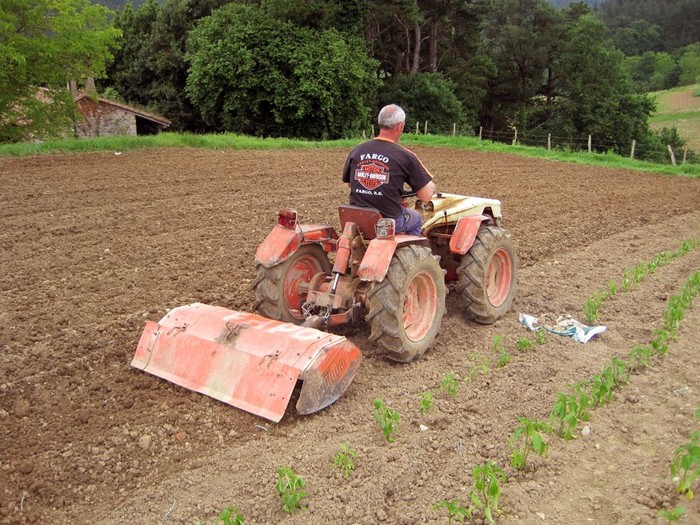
(371, 176)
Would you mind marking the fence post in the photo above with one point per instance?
(673, 157)
(549, 142)
(634, 143)
(364, 135)
(481, 128)
(425, 129)
(454, 129)
(417, 128)
(589, 144)
(685, 154)
(515, 136)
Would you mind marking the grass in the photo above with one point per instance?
(679, 108)
(231, 141)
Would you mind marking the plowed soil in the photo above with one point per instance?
(93, 245)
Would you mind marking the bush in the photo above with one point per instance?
(425, 97)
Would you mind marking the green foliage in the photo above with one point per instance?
(530, 432)
(426, 402)
(231, 516)
(387, 418)
(540, 336)
(449, 383)
(425, 97)
(42, 45)
(487, 489)
(674, 514)
(685, 466)
(259, 75)
(344, 460)
(568, 410)
(523, 344)
(455, 511)
(503, 356)
(480, 368)
(291, 488)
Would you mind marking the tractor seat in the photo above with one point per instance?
(365, 218)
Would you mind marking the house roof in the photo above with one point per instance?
(138, 112)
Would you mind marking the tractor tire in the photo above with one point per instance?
(277, 289)
(406, 308)
(488, 275)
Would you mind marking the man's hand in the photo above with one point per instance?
(426, 192)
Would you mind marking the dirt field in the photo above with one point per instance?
(94, 245)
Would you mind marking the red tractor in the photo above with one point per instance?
(309, 278)
(307, 274)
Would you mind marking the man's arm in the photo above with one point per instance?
(426, 192)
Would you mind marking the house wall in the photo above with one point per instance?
(99, 120)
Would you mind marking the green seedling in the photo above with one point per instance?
(344, 460)
(660, 342)
(602, 387)
(675, 514)
(540, 336)
(618, 371)
(612, 288)
(497, 343)
(291, 488)
(569, 410)
(482, 366)
(640, 356)
(231, 516)
(487, 489)
(503, 356)
(590, 309)
(524, 344)
(640, 272)
(426, 402)
(530, 432)
(387, 418)
(685, 467)
(455, 511)
(627, 279)
(449, 383)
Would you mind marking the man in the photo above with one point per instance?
(377, 170)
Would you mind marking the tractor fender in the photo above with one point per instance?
(282, 242)
(375, 263)
(465, 233)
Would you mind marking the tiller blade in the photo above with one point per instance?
(246, 360)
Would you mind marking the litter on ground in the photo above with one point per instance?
(563, 325)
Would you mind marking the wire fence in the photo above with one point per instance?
(653, 152)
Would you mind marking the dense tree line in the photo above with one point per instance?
(321, 68)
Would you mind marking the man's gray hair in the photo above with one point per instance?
(390, 116)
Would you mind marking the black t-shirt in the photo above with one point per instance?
(377, 170)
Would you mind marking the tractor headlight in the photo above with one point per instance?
(287, 218)
(385, 228)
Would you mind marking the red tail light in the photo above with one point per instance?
(288, 218)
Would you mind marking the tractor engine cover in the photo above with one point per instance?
(246, 360)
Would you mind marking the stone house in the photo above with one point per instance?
(99, 117)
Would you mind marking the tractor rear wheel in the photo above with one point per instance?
(488, 275)
(406, 308)
(280, 291)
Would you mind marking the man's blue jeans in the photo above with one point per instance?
(409, 221)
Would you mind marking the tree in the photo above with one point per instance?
(637, 38)
(261, 75)
(521, 38)
(43, 45)
(591, 94)
(425, 97)
(689, 65)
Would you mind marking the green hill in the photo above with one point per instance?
(679, 108)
